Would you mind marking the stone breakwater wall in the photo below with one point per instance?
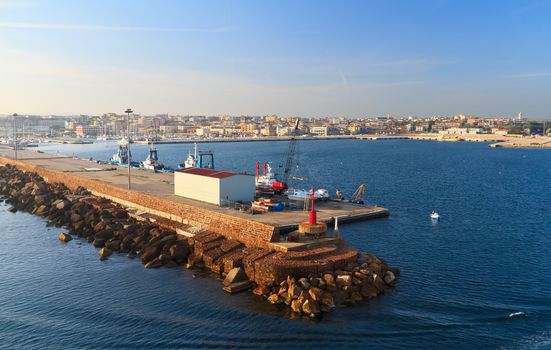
(306, 282)
(249, 232)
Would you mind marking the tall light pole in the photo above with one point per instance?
(128, 156)
(15, 134)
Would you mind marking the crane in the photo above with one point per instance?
(290, 153)
(358, 196)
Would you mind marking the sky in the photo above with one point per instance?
(300, 58)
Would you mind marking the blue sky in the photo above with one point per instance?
(308, 58)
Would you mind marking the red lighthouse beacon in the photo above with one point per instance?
(312, 228)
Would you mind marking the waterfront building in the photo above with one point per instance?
(214, 186)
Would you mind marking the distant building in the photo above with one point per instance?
(84, 130)
(319, 130)
(461, 131)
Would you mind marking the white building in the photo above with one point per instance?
(319, 130)
(214, 186)
(461, 131)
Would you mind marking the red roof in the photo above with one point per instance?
(219, 174)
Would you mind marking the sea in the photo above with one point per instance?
(479, 278)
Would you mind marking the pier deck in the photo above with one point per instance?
(162, 185)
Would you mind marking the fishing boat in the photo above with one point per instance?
(152, 160)
(267, 181)
(434, 215)
(198, 159)
(121, 157)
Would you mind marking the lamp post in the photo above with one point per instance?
(128, 156)
(15, 134)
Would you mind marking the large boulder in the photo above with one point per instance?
(389, 278)
(296, 306)
(294, 291)
(369, 291)
(327, 299)
(178, 251)
(275, 299)
(315, 293)
(150, 253)
(104, 253)
(310, 307)
(343, 280)
(65, 237)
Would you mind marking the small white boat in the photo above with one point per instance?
(434, 215)
(300, 195)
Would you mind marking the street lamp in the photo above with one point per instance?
(15, 134)
(128, 156)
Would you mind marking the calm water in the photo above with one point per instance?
(462, 278)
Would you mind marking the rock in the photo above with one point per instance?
(61, 205)
(315, 293)
(275, 299)
(261, 290)
(343, 280)
(389, 278)
(327, 299)
(75, 217)
(310, 307)
(171, 264)
(294, 291)
(340, 296)
(98, 242)
(12, 209)
(104, 234)
(296, 306)
(356, 296)
(65, 237)
(328, 277)
(331, 286)
(303, 282)
(179, 251)
(237, 274)
(369, 291)
(42, 210)
(351, 289)
(113, 245)
(149, 254)
(154, 264)
(104, 253)
(379, 283)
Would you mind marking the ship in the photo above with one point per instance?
(198, 159)
(267, 181)
(152, 160)
(121, 157)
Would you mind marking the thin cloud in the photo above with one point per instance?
(87, 27)
(530, 75)
(344, 81)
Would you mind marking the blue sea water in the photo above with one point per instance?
(479, 278)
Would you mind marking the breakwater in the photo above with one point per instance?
(309, 281)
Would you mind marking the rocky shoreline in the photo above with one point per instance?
(111, 229)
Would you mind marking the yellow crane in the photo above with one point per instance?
(358, 196)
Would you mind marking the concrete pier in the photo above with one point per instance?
(111, 182)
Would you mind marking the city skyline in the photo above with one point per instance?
(244, 58)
